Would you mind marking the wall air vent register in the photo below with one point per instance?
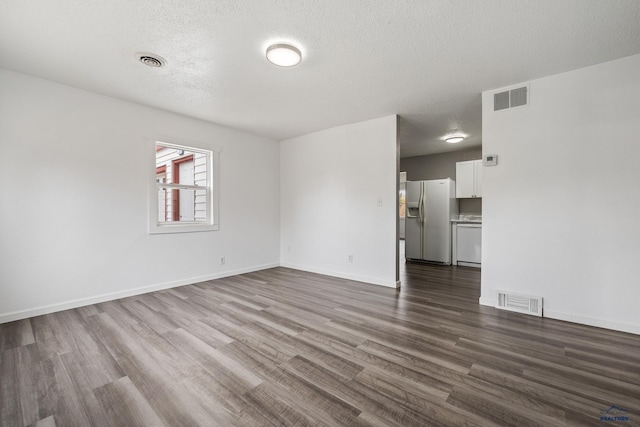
(512, 98)
(521, 303)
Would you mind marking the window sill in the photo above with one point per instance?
(181, 228)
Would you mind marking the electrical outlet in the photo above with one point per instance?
(350, 258)
(222, 260)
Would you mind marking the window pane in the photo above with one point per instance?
(200, 205)
(181, 166)
(161, 178)
(162, 204)
(403, 200)
(183, 205)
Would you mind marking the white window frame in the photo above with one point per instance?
(212, 222)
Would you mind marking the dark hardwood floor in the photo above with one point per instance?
(284, 347)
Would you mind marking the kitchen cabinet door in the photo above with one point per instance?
(469, 243)
(467, 177)
(478, 178)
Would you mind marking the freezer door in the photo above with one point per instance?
(437, 221)
(414, 196)
(413, 238)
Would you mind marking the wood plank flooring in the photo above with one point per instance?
(284, 347)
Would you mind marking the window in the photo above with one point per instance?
(183, 197)
(403, 200)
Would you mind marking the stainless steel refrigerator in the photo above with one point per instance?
(431, 205)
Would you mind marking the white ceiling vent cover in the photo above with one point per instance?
(151, 59)
(521, 303)
(512, 98)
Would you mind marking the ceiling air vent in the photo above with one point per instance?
(511, 98)
(521, 303)
(151, 60)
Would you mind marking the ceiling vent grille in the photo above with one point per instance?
(521, 303)
(511, 98)
(151, 60)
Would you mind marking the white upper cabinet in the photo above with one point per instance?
(469, 179)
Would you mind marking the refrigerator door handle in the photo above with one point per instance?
(421, 203)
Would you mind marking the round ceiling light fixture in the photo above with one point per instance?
(151, 60)
(454, 139)
(284, 55)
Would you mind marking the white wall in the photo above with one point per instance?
(560, 211)
(330, 183)
(73, 214)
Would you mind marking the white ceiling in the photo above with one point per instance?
(426, 60)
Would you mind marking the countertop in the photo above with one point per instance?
(469, 219)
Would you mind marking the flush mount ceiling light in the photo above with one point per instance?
(284, 55)
(454, 134)
(454, 139)
(151, 60)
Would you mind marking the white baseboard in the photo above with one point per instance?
(491, 302)
(599, 323)
(341, 275)
(469, 264)
(567, 317)
(38, 311)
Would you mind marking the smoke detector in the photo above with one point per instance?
(151, 60)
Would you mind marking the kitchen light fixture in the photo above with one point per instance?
(454, 139)
(454, 134)
(284, 55)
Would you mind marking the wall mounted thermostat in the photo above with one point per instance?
(490, 160)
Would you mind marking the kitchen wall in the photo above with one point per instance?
(339, 198)
(73, 205)
(438, 166)
(560, 210)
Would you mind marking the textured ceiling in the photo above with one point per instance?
(426, 60)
